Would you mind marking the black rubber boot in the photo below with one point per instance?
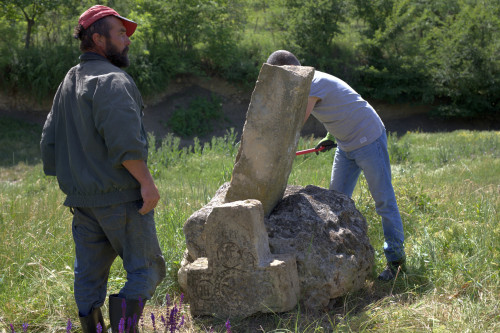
(131, 312)
(89, 323)
(392, 269)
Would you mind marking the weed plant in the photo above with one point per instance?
(448, 190)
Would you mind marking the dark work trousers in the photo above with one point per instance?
(101, 234)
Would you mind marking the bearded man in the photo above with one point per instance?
(94, 142)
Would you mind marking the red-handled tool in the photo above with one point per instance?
(307, 151)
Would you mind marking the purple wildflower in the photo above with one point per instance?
(25, 327)
(182, 321)
(173, 319)
(69, 326)
(163, 321)
(228, 326)
(167, 298)
(180, 302)
(121, 325)
(124, 307)
(129, 324)
(12, 328)
(141, 303)
(99, 328)
(141, 306)
(134, 321)
(153, 321)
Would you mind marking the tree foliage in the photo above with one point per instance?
(311, 25)
(373, 12)
(31, 11)
(443, 52)
(466, 64)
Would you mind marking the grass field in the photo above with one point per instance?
(448, 190)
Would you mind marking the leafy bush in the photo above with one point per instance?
(198, 118)
(466, 67)
(441, 52)
(37, 71)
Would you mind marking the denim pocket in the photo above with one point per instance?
(139, 203)
(111, 217)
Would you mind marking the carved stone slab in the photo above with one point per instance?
(270, 136)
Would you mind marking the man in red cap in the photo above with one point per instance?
(94, 142)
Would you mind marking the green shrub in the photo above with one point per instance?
(198, 118)
(465, 67)
(37, 71)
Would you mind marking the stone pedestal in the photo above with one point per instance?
(239, 276)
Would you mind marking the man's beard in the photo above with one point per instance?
(117, 58)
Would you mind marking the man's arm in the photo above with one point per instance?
(311, 102)
(149, 191)
(47, 146)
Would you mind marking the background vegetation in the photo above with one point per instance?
(447, 188)
(440, 52)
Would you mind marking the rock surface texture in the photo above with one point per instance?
(321, 229)
(271, 133)
(328, 236)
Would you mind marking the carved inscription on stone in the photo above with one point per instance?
(204, 290)
(229, 255)
(231, 287)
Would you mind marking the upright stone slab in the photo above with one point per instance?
(239, 276)
(270, 135)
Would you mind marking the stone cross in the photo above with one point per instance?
(239, 276)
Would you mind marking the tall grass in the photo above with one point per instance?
(448, 190)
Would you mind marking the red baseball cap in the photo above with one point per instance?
(97, 12)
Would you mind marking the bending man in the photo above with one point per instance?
(362, 146)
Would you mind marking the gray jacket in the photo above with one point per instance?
(94, 125)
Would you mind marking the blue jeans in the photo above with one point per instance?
(103, 233)
(373, 160)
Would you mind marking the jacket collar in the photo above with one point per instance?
(92, 56)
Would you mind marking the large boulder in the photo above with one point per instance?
(328, 236)
(322, 229)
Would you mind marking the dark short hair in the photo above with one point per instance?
(283, 57)
(100, 27)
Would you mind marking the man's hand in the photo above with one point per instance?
(150, 197)
(149, 192)
(328, 142)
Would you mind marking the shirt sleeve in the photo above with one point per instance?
(318, 88)
(117, 111)
(47, 143)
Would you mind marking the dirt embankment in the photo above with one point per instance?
(398, 118)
